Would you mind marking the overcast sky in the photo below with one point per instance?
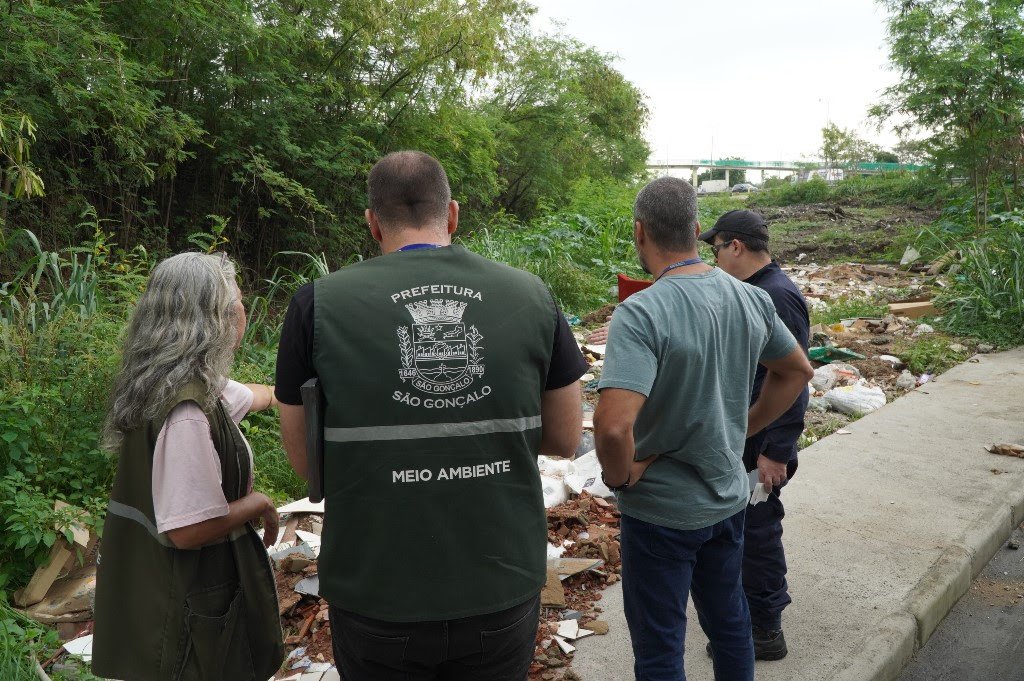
(759, 78)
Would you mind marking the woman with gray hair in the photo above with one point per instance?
(184, 589)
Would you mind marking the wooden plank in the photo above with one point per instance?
(913, 310)
(45, 576)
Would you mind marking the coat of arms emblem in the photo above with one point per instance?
(440, 356)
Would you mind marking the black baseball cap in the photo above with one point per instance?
(738, 222)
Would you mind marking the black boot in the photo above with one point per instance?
(769, 644)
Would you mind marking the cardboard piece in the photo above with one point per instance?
(302, 506)
(913, 310)
(68, 600)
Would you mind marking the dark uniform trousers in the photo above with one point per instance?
(764, 560)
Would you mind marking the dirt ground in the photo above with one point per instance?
(830, 232)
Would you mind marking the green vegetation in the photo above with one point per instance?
(848, 308)
(961, 68)
(163, 117)
(985, 298)
(930, 355)
(888, 189)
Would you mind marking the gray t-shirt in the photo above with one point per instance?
(691, 344)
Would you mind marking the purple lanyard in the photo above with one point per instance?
(681, 263)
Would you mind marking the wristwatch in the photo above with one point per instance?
(615, 488)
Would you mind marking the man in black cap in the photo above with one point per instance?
(739, 241)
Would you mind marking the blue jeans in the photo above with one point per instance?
(660, 568)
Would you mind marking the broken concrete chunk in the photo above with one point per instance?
(599, 627)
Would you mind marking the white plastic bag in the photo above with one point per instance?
(859, 398)
(585, 474)
(555, 491)
(553, 467)
(829, 376)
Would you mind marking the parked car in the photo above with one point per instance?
(743, 187)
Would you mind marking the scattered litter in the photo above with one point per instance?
(302, 506)
(924, 379)
(597, 351)
(586, 378)
(1007, 450)
(910, 255)
(310, 539)
(554, 489)
(896, 362)
(80, 647)
(584, 473)
(844, 431)
(830, 353)
(555, 551)
(906, 381)
(856, 399)
(830, 375)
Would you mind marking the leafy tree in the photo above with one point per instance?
(882, 156)
(961, 65)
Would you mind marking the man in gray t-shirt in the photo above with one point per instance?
(670, 429)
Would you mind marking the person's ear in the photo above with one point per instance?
(374, 224)
(638, 233)
(453, 216)
(698, 230)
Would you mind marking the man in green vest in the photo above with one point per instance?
(444, 376)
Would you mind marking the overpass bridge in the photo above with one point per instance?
(729, 164)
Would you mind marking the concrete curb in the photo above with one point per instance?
(885, 653)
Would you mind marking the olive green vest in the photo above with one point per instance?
(168, 614)
(433, 363)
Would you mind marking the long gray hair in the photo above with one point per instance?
(183, 330)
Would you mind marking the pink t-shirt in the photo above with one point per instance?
(186, 468)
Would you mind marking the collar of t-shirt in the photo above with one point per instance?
(419, 247)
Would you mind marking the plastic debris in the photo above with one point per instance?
(906, 381)
(859, 398)
(829, 376)
(910, 255)
(924, 379)
(585, 474)
(829, 353)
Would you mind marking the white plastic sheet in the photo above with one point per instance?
(859, 398)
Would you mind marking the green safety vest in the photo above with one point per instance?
(432, 363)
(169, 614)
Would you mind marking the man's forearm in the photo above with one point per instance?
(293, 435)
(615, 452)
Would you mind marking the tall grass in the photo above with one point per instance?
(985, 297)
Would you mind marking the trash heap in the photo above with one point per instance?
(583, 559)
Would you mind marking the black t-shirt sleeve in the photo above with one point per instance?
(295, 352)
(567, 362)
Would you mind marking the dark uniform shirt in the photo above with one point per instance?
(778, 441)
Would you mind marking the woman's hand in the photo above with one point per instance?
(262, 396)
(271, 522)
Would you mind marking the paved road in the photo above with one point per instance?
(982, 638)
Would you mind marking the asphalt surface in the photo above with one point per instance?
(982, 638)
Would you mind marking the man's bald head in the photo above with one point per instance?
(409, 190)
